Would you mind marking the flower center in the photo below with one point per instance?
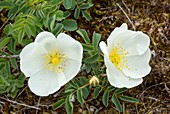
(55, 61)
(117, 57)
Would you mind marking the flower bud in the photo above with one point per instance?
(94, 81)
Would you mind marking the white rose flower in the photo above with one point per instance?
(126, 57)
(50, 62)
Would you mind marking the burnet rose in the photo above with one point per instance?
(50, 62)
(126, 57)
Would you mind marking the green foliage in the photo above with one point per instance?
(58, 104)
(116, 103)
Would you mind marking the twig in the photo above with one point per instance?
(21, 92)
(126, 15)
(9, 57)
(5, 23)
(20, 103)
(38, 104)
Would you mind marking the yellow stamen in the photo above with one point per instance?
(55, 61)
(117, 57)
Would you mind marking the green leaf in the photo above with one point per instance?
(74, 85)
(117, 103)
(105, 82)
(84, 35)
(86, 15)
(77, 13)
(13, 11)
(105, 98)
(3, 60)
(56, 2)
(120, 90)
(67, 4)
(58, 28)
(66, 14)
(5, 4)
(111, 88)
(97, 91)
(92, 58)
(69, 105)
(128, 99)
(7, 67)
(85, 92)
(21, 35)
(80, 96)
(14, 63)
(96, 39)
(58, 104)
(70, 25)
(4, 42)
(87, 47)
(59, 15)
(80, 1)
(30, 30)
(85, 6)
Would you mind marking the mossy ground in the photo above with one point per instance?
(150, 16)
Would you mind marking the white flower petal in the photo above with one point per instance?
(112, 80)
(44, 35)
(72, 48)
(138, 66)
(103, 47)
(115, 34)
(31, 59)
(72, 68)
(44, 82)
(121, 80)
(135, 42)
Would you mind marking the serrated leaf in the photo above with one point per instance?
(84, 35)
(128, 99)
(70, 25)
(58, 28)
(85, 6)
(116, 103)
(80, 96)
(87, 47)
(67, 4)
(86, 15)
(4, 42)
(58, 104)
(92, 58)
(77, 13)
(120, 90)
(69, 105)
(97, 91)
(105, 98)
(96, 39)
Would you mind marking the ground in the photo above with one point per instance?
(150, 16)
